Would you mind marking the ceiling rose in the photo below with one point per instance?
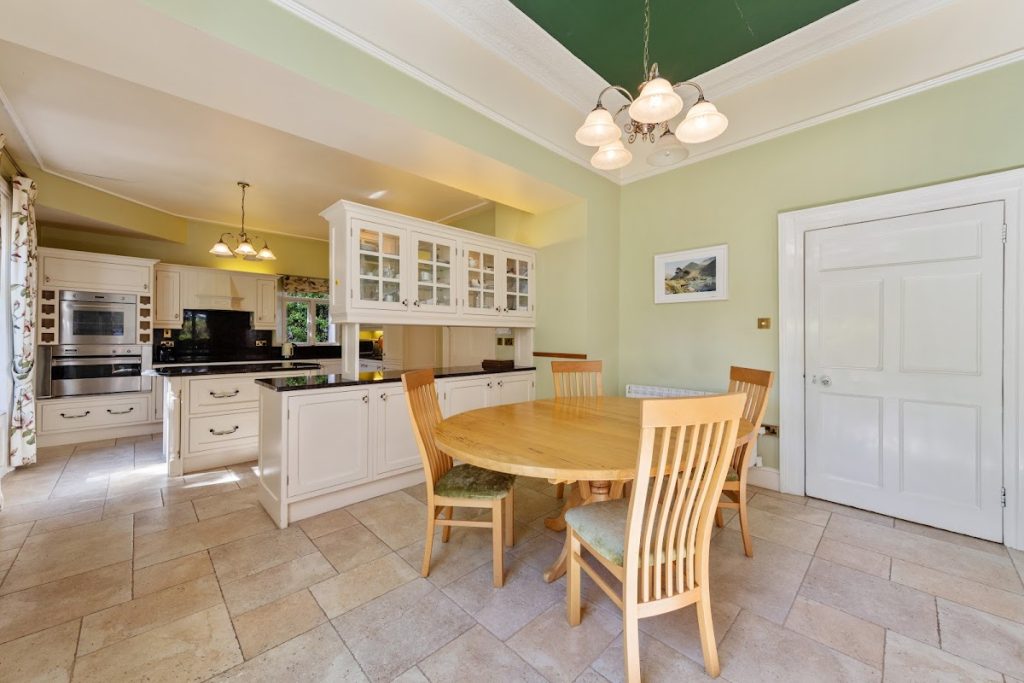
(649, 114)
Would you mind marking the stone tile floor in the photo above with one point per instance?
(113, 571)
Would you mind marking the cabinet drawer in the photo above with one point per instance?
(218, 431)
(94, 275)
(72, 414)
(222, 393)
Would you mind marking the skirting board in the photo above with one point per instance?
(763, 477)
(97, 434)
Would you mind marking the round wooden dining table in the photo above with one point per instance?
(592, 441)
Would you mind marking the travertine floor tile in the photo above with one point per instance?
(468, 549)
(841, 631)
(180, 494)
(260, 629)
(591, 676)
(361, 584)
(45, 509)
(982, 638)
(166, 574)
(397, 518)
(318, 655)
(412, 675)
(950, 537)
(6, 560)
(261, 551)
(658, 663)
(910, 661)
(679, 629)
(780, 529)
(853, 557)
(798, 511)
(148, 612)
(190, 649)
(788, 497)
(54, 603)
(852, 513)
(351, 546)
(132, 502)
(226, 503)
(246, 474)
(390, 634)
(505, 610)
(562, 652)
(58, 554)
(539, 552)
(530, 504)
(882, 602)
(43, 656)
(45, 526)
(270, 584)
(757, 650)
(185, 540)
(966, 592)
(327, 523)
(474, 652)
(14, 536)
(164, 518)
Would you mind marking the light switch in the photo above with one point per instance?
(764, 323)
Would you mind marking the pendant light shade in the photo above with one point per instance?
(599, 129)
(221, 249)
(611, 156)
(265, 254)
(245, 248)
(657, 102)
(702, 123)
(668, 151)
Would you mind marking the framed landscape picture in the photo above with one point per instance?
(694, 275)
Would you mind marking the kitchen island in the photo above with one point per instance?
(327, 441)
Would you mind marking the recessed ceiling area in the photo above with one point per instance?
(688, 37)
(184, 158)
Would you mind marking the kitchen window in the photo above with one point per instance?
(307, 320)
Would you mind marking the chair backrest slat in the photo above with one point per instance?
(685, 449)
(576, 378)
(756, 384)
(425, 413)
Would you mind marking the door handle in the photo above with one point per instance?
(383, 397)
(121, 412)
(366, 398)
(72, 417)
(826, 381)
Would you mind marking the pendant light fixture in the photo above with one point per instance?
(649, 114)
(244, 247)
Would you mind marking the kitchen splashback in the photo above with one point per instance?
(214, 336)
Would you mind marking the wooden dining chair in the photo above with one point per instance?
(574, 378)
(756, 385)
(656, 543)
(450, 486)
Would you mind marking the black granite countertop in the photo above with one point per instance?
(230, 368)
(382, 377)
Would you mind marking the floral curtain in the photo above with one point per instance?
(23, 320)
(298, 284)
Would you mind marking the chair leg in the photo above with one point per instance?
(719, 518)
(510, 521)
(631, 642)
(560, 490)
(748, 544)
(498, 548)
(428, 547)
(572, 581)
(446, 531)
(707, 634)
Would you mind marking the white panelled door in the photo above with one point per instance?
(904, 366)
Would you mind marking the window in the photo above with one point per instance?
(307, 320)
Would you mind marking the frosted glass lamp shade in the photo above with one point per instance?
(245, 248)
(668, 151)
(657, 102)
(611, 156)
(265, 254)
(702, 123)
(221, 249)
(599, 129)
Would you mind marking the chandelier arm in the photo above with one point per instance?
(700, 90)
(619, 88)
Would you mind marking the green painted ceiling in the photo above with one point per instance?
(688, 37)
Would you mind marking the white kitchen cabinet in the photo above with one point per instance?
(513, 388)
(396, 449)
(434, 278)
(318, 420)
(265, 316)
(86, 412)
(64, 269)
(378, 266)
(518, 285)
(481, 391)
(481, 280)
(168, 298)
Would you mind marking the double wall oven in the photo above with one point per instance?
(98, 350)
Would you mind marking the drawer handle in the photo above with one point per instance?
(121, 412)
(224, 432)
(225, 394)
(366, 398)
(72, 417)
(383, 397)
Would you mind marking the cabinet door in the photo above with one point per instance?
(480, 283)
(265, 317)
(94, 276)
(377, 260)
(328, 439)
(433, 285)
(396, 446)
(168, 298)
(514, 388)
(518, 284)
(461, 395)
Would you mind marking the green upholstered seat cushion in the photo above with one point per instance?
(603, 526)
(731, 475)
(468, 481)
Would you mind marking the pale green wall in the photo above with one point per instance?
(963, 129)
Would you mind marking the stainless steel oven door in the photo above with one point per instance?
(78, 376)
(97, 323)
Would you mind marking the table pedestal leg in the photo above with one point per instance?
(584, 493)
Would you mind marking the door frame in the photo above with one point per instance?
(1007, 187)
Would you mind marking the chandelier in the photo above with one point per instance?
(244, 247)
(649, 114)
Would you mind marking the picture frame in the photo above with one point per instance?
(692, 275)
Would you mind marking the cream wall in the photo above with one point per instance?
(963, 129)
